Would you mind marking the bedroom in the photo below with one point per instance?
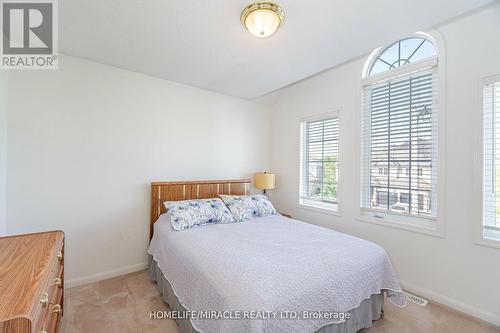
(170, 91)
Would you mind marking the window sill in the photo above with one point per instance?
(488, 242)
(332, 211)
(393, 223)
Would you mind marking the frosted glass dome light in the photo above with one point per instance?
(262, 19)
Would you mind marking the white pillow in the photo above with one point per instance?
(245, 207)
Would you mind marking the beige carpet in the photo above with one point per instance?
(122, 304)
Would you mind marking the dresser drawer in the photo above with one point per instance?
(55, 288)
(48, 312)
(40, 316)
(57, 273)
(32, 279)
(54, 313)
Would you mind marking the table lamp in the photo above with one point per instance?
(265, 181)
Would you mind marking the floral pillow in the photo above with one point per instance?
(245, 207)
(187, 214)
(220, 210)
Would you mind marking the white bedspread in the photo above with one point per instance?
(270, 264)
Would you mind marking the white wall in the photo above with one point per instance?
(453, 270)
(85, 141)
(3, 152)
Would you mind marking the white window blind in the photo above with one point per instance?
(491, 165)
(399, 155)
(319, 162)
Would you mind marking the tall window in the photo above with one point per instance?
(319, 162)
(491, 165)
(400, 133)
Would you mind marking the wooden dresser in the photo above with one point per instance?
(31, 282)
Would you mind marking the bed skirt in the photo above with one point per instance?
(361, 317)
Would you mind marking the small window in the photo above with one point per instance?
(420, 172)
(382, 171)
(491, 162)
(404, 198)
(320, 162)
(421, 202)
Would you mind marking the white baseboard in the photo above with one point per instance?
(105, 275)
(492, 318)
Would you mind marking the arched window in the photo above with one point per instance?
(403, 52)
(399, 127)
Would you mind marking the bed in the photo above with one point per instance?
(268, 274)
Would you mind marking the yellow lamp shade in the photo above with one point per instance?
(265, 181)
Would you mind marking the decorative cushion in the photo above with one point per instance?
(220, 210)
(188, 214)
(245, 207)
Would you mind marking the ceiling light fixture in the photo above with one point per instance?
(262, 18)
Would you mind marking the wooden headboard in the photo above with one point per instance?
(184, 190)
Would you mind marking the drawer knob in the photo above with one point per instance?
(45, 299)
(58, 282)
(56, 308)
(60, 256)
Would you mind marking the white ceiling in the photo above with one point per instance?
(202, 42)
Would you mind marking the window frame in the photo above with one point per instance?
(433, 226)
(318, 206)
(480, 238)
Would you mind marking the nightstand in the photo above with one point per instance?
(286, 215)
